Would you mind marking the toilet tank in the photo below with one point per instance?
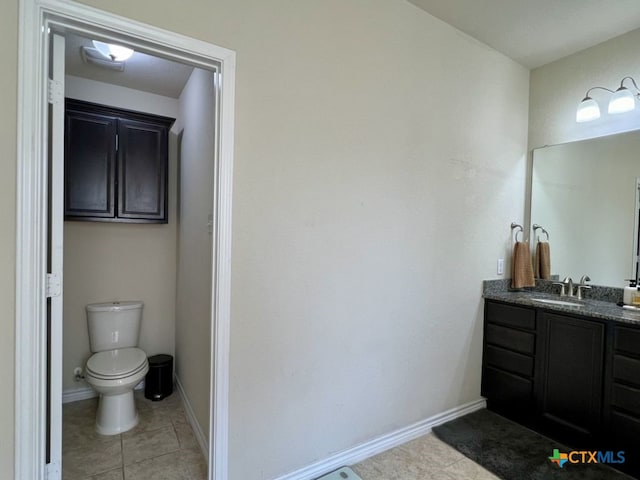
(114, 325)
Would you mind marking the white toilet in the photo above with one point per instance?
(117, 365)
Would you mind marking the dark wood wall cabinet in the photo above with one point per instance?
(573, 378)
(116, 164)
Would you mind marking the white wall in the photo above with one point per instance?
(369, 203)
(119, 261)
(193, 294)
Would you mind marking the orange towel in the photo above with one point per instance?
(543, 261)
(521, 268)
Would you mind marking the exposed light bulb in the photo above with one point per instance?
(117, 53)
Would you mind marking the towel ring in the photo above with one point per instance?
(536, 227)
(514, 225)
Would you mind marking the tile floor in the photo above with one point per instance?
(425, 458)
(161, 447)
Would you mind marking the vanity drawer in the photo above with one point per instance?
(627, 340)
(511, 315)
(511, 339)
(505, 387)
(626, 369)
(626, 398)
(625, 430)
(508, 360)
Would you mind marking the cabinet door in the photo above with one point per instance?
(142, 170)
(571, 401)
(89, 164)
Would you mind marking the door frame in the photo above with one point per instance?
(55, 310)
(635, 261)
(35, 19)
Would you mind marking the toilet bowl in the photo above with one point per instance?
(117, 365)
(114, 374)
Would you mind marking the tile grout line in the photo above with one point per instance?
(173, 425)
(122, 456)
(153, 456)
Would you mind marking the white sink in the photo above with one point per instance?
(562, 303)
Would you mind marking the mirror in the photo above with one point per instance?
(585, 194)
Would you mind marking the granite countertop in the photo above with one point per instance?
(602, 304)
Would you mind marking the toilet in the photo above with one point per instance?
(117, 365)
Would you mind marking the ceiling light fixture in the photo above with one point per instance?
(622, 100)
(94, 57)
(117, 53)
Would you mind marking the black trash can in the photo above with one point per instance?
(159, 380)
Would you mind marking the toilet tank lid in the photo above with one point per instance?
(115, 306)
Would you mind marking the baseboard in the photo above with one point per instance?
(193, 421)
(380, 444)
(85, 393)
(78, 394)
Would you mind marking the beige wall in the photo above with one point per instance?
(8, 128)
(369, 203)
(117, 261)
(193, 293)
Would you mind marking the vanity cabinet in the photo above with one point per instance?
(116, 164)
(571, 377)
(546, 369)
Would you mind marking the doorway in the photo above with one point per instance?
(32, 403)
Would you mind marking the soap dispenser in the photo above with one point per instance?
(632, 293)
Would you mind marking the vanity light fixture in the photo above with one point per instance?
(116, 53)
(622, 100)
(588, 108)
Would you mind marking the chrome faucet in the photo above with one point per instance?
(583, 286)
(568, 282)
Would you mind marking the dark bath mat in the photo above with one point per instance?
(513, 452)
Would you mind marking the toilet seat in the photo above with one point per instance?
(116, 364)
